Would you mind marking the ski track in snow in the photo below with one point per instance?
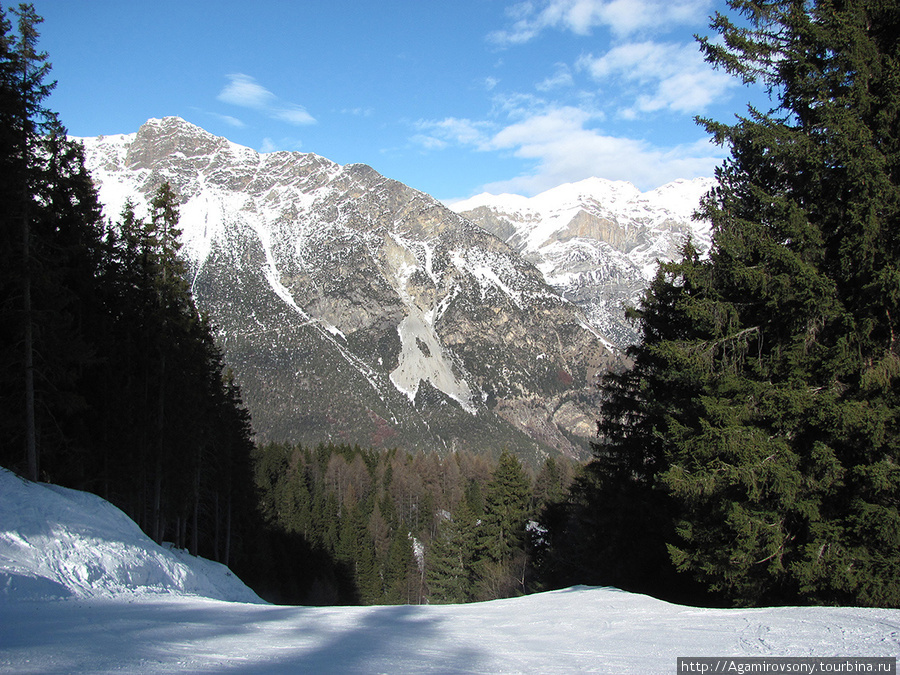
(148, 609)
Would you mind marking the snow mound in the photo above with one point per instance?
(58, 543)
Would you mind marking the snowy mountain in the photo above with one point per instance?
(356, 309)
(83, 591)
(597, 242)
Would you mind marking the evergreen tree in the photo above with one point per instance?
(49, 248)
(506, 506)
(452, 564)
(401, 570)
(756, 435)
(101, 348)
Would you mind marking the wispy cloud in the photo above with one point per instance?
(440, 134)
(243, 90)
(268, 145)
(565, 148)
(562, 77)
(358, 112)
(562, 146)
(622, 17)
(565, 129)
(663, 76)
(227, 119)
(230, 121)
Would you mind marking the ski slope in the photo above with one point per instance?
(82, 590)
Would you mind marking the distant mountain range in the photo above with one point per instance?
(597, 242)
(355, 309)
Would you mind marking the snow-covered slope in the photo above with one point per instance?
(59, 543)
(84, 592)
(597, 241)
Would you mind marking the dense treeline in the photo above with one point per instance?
(754, 447)
(110, 380)
(405, 528)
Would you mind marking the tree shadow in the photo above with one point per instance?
(203, 636)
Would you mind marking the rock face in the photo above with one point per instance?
(597, 242)
(356, 309)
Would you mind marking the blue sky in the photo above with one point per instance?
(452, 97)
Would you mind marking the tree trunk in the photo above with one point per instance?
(160, 429)
(195, 536)
(217, 553)
(30, 433)
(228, 533)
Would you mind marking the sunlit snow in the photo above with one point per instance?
(82, 590)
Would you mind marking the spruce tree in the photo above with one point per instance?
(506, 506)
(756, 436)
(49, 247)
(451, 558)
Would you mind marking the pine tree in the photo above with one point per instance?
(760, 416)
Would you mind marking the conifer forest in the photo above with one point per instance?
(749, 454)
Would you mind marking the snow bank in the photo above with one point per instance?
(58, 543)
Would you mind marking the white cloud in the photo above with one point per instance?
(666, 76)
(562, 77)
(564, 150)
(292, 114)
(622, 17)
(227, 119)
(231, 121)
(430, 142)
(561, 147)
(358, 112)
(245, 91)
(440, 134)
(516, 105)
(268, 145)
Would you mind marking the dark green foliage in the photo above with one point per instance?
(756, 436)
(110, 380)
(170, 437)
(49, 243)
(506, 506)
(454, 560)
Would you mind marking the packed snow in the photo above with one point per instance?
(82, 590)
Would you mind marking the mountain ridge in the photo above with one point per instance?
(356, 309)
(597, 242)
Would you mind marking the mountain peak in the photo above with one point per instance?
(356, 309)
